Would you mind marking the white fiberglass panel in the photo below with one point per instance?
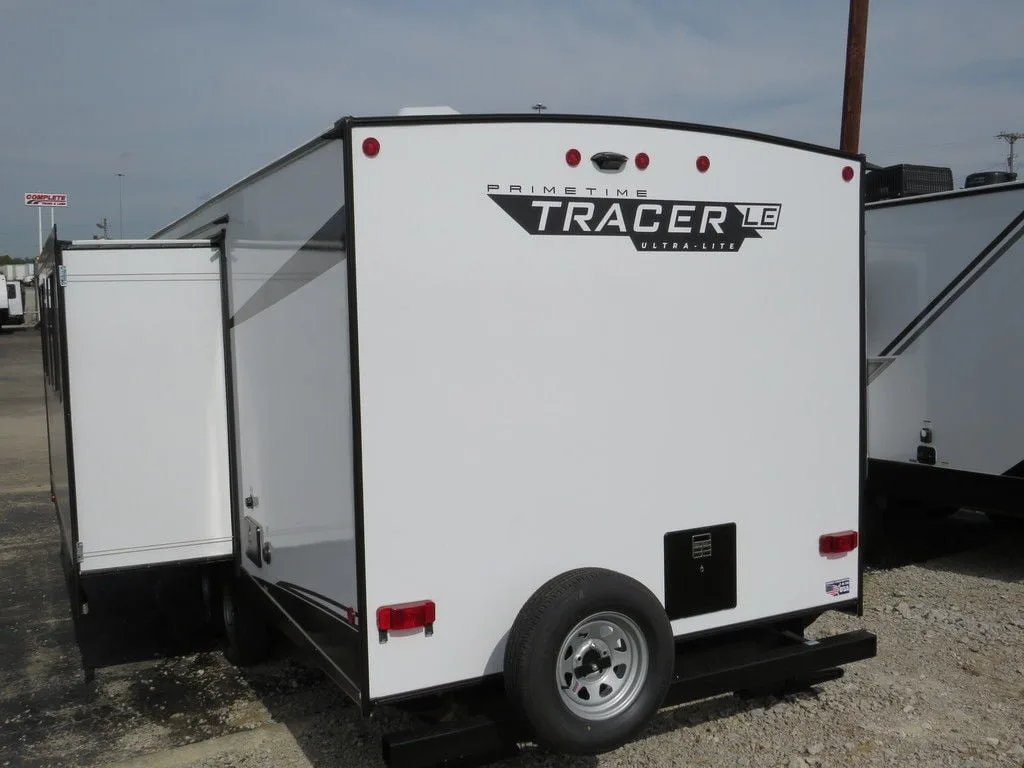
(958, 367)
(533, 402)
(148, 405)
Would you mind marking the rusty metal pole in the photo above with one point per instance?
(853, 86)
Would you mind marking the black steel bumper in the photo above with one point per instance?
(755, 662)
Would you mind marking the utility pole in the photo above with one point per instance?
(120, 205)
(1011, 139)
(104, 226)
(540, 107)
(853, 84)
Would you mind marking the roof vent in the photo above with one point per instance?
(984, 178)
(407, 111)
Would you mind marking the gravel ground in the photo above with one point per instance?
(947, 688)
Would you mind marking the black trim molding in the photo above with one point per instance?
(922, 199)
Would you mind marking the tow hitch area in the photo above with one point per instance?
(751, 663)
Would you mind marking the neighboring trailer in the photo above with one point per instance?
(136, 407)
(945, 276)
(5, 300)
(15, 303)
(569, 407)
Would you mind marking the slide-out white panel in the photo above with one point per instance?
(295, 448)
(960, 367)
(148, 404)
(531, 403)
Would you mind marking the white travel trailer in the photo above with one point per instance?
(136, 406)
(945, 273)
(494, 376)
(5, 300)
(15, 303)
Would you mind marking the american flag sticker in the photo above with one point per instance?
(837, 587)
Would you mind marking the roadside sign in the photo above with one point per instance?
(46, 199)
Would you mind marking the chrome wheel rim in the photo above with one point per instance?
(602, 666)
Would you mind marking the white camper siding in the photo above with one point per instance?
(288, 309)
(148, 406)
(964, 372)
(532, 404)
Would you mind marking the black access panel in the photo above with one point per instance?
(700, 570)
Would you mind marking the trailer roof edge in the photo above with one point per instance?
(349, 121)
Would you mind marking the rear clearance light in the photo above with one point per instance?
(847, 173)
(642, 160)
(573, 157)
(371, 146)
(703, 163)
(406, 616)
(838, 543)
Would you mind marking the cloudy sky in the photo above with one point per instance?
(186, 97)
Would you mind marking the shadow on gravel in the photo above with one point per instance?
(1000, 559)
(915, 537)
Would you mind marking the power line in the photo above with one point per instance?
(1011, 139)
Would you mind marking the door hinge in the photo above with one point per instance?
(79, 552)
(62, 275)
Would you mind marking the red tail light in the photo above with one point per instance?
(573, 157)
(642, 160)
(406, 615)
(847, 173)
(703, 163)
(838, 543)
(371, 146)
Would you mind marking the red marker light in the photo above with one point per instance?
(847, 173)
(703, 163)
(573, 157)
(838, 543)
(406, 616)
(642, 160)
(371, 147)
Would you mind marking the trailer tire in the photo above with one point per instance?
(246, 634)
(555, 638)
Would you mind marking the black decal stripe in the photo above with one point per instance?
(956, 287)
(318, 254)
(1017, 470)
(287, 585)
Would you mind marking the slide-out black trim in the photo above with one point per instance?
(170, 565)
(347, 123)
(1000, 244)
(862, 470)
(936, 196)
(357, 441)
(942, 486)
(220, 243)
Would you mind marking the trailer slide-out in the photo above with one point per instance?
(5, 300)
(945, 273)
(570, 409)
(136, 408)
